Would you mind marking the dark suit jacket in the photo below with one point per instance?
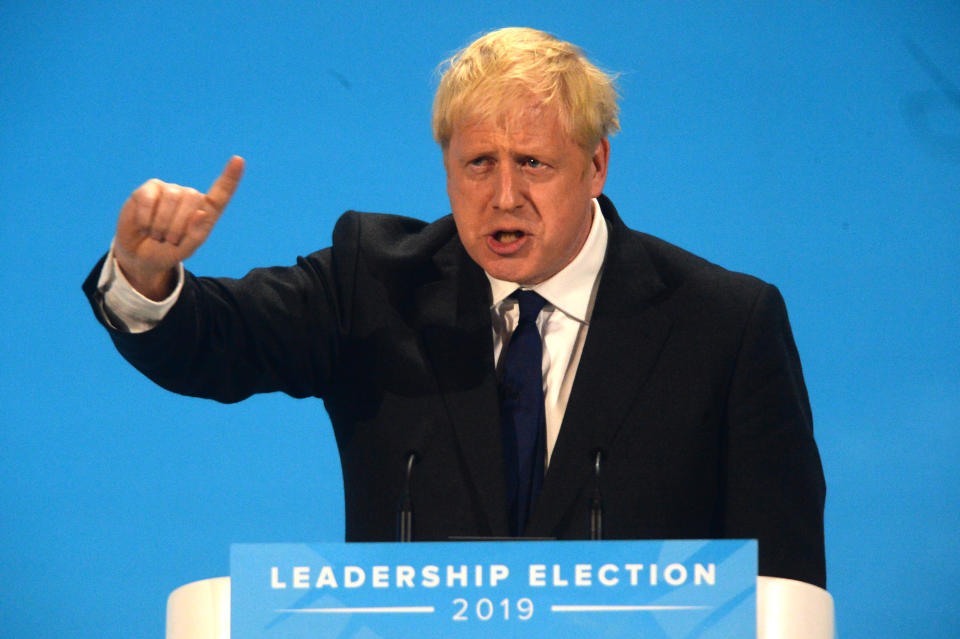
(689, 380)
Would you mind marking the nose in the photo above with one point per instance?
(508, 196)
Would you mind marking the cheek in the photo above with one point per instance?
(461, 192)
(467, 227)
(453, 191)
(468, 202)
(569, 231)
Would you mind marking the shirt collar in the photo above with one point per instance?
(570, 289)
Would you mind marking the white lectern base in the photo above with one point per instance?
(200, 610)
(786, 609)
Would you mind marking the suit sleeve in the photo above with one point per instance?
(775, 485)
(276, 329)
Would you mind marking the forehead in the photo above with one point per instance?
(525, 124)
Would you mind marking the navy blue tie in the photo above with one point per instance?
(521, 412)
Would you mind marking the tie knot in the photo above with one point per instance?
(530, 304)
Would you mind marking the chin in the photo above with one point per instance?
(507, 273)
(520, 278)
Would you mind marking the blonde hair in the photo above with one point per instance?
(502, 68)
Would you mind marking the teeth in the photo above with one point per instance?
(508, 236)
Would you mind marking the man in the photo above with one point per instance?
(681, 377)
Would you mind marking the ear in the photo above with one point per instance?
(599, 160)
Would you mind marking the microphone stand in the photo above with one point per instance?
(405, 514)
(596, 502)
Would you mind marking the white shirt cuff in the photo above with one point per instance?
(126, 309)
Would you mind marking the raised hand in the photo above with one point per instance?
(162, 224)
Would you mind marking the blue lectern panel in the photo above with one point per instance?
(655, 589)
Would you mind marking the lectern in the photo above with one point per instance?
(785, 609)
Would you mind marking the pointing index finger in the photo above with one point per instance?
(224, 186)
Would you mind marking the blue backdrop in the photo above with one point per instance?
(813, 145)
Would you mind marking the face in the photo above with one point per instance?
(521, 192)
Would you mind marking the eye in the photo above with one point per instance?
(480, 162)
(533, 163)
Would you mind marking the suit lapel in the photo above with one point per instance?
(627, 331)
(457, 334)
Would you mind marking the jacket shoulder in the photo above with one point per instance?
(681, 270)
(386, 238)
(670, 269)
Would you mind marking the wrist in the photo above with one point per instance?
(153, 284)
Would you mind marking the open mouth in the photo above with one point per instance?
(507, 237)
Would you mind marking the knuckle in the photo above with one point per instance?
(191, 198)
(145, 197)
(148, 192)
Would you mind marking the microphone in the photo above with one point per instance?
(596, 501)
(405, 512)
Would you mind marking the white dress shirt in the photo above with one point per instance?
(563, 322)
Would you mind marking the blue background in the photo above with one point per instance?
(816, 146)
